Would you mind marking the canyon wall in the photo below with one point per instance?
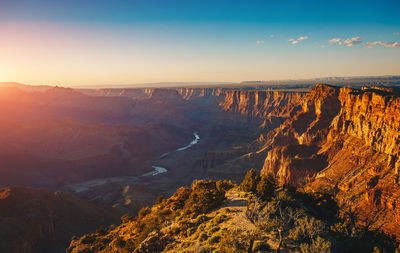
(346, 141)
(342, 139)
(259, 112)
(262, 104)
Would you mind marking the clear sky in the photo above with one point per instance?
(87, 42)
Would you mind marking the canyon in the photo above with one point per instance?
(340, 140)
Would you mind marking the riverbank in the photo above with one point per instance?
(86, 185)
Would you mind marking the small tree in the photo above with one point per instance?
(204, 197)
(266, 187)
(250, 181)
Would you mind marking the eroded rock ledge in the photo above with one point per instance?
(346, 140)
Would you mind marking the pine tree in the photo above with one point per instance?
(266, 187)
(250, 181)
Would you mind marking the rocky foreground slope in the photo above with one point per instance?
(218, 216)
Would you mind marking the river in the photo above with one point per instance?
(158, 169)
(83, 186)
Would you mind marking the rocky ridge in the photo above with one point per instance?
(345, 140)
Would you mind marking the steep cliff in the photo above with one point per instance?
(362, 147)
(262, 103)
(198, 93)
(302, 136)
(258, 112)
(345, 140)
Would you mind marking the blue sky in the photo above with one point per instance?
(290, 11)
(124, 42)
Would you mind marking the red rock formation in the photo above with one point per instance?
(257, 113)
(355, 137)
(262, 103)
(302, 134)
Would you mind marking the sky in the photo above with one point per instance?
(87, 42)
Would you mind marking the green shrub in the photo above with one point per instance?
(204, 197)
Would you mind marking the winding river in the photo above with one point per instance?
(158, 169)
(83, 186)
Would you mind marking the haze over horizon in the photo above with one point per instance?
(87, 43)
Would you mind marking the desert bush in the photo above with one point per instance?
(341, 229)
(234, 241)
(278, 216)
(307, 228)
(178, 200)
(318, 245)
